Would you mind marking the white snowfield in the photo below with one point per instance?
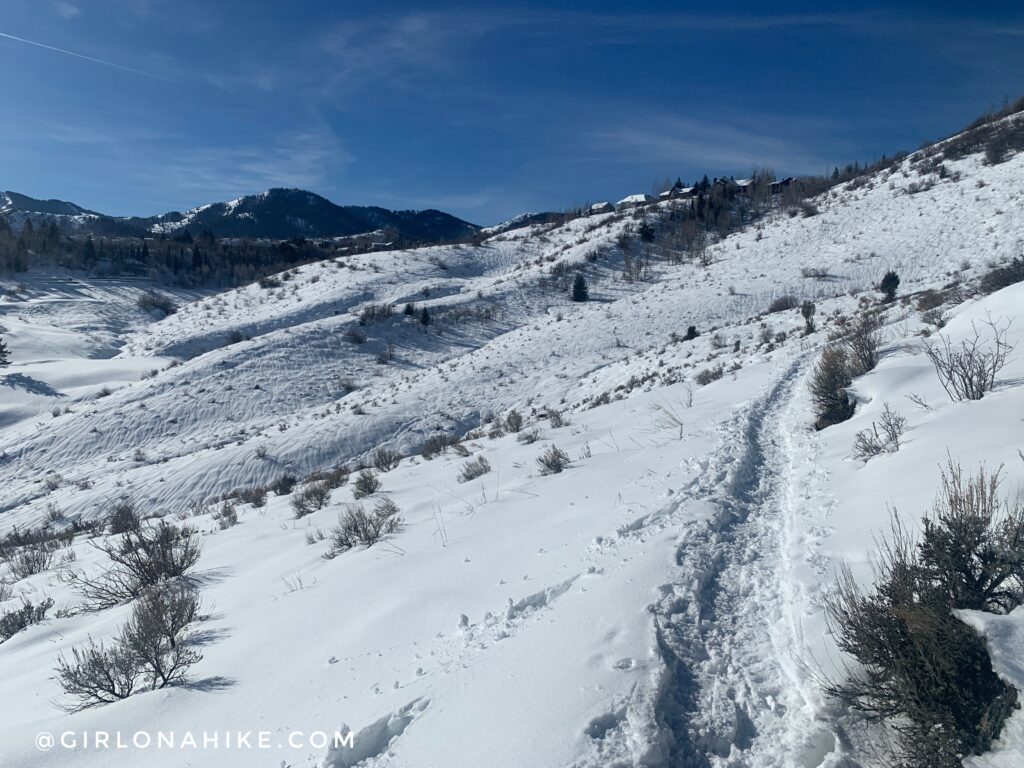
(657, 603)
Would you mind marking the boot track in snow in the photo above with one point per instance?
(733, 693)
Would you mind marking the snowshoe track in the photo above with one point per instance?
(734, 693)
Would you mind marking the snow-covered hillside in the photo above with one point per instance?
(657, 603)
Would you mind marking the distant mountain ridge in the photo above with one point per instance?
(278, 214)
(11, 202)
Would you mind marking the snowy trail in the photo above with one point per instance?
(729, 627)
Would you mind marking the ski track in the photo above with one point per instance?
(728, 628)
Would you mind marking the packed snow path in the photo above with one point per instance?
(728, 628)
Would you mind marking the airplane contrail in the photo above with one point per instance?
(89, 58)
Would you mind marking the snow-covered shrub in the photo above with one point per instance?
(1001, 277)
(151, 651)
(284, 484)
(153, 301)
(97, 674)
(122, 515)
(930, 299)
(366, 484)
(934, 317)
(817, 272)
(155, 632)
(514, 421)
(30, 559)
(552, 461)
(270, 281)
(357, 527)
(314, 535)
(557, 419)
(972, 542)
(385, 459)
(808, 209)
(709, 375)
(921, 670)
(969, 371)
(473, 469)
(783, 303)
(829, 380)
(255, 495)
(334, 478)
(355, 336)
(437, 444)
(528, 437)
(139, 560)
(226, 516)
(375, 313)
(881, 437)
(12, 622)
(312, 498)
(861, 342)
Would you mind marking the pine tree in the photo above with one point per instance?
(424, 316)
(580, 291)
(5, 354)
(890, 283)
(807, 309)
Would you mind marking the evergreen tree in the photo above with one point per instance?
(580, 291)
(410, 309)
(807, 309)
(5, 354)
(890, 283)
(424, 316)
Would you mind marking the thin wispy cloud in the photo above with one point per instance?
(67, 11)
(92, 59)
(398, 52)
(308, 159)
(732, 147)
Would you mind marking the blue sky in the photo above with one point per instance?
(482, 109)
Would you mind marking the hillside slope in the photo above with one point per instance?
(657, 603)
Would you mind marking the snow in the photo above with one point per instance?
(657, 603)
(639, 199)
(1005, 638)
